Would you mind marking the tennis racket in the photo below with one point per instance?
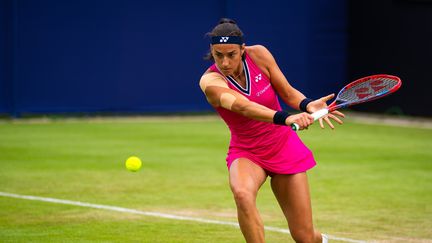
(360, 91)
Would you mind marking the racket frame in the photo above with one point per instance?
(338, 103)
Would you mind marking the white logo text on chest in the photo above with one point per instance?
(259, 93)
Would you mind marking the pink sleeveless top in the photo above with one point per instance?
(277, 149)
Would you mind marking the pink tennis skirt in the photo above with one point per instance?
(286, 155)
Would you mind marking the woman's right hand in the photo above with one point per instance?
(304, 120)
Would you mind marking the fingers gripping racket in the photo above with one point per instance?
(360, 91)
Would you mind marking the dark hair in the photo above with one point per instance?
(225, 27)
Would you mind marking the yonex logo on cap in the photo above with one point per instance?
(224, 39)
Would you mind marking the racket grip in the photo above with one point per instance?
(316, 115)
(295, 127)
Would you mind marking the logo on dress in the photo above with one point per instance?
(259, 93)
(258, 77)
(224, 39)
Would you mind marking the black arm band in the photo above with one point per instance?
(304, 103)
(280, 117)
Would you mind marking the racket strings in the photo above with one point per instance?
(368, 89)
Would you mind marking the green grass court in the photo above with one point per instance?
(372, 182)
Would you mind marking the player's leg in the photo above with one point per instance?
(292, 193)
(245, 180)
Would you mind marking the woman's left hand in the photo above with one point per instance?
(321, 103)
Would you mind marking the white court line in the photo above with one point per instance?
(153, 214)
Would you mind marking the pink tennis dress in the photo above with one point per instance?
(275, 148)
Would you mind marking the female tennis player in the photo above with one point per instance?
(242, 85)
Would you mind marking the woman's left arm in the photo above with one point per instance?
(289, 94)
(264, 59)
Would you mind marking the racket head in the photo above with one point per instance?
(366, 89)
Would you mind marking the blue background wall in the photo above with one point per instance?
(146, 56)
(395, 37)
(5, 57)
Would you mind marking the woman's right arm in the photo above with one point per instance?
(218, 94)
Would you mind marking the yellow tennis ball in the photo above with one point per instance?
(133, 163)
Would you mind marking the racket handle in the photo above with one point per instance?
(295, 127)
(316, 115)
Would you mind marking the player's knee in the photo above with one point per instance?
(303, 235)
(242, 196)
